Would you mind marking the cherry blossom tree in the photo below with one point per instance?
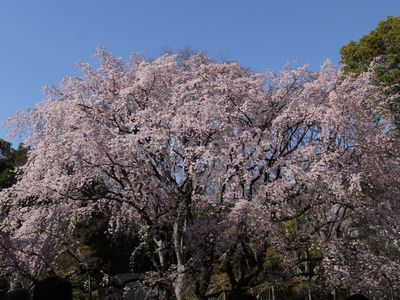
(215, 167)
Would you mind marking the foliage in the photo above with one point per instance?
(10, 160)
(215, 169)
(382, 43)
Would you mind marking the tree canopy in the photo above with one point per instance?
(231, 179)
(383, 44)
(10, 160)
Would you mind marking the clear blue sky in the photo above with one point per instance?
(41, 40)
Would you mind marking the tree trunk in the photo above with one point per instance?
(179, 281)
(160, 252)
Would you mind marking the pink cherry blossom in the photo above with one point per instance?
(210, 163)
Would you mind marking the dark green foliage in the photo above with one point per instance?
(100, 254)
(10, 159)
(383, 42)
(109, 254)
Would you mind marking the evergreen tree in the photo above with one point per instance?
(10, 160)
(382, 44)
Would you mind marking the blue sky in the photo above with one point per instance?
(41, 40)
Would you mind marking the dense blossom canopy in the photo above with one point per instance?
(212, 165)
